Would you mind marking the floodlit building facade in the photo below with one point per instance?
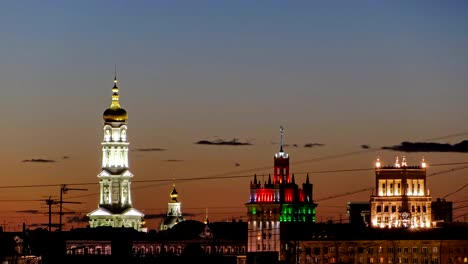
(401, 197)
(115, 207)
(275, 201)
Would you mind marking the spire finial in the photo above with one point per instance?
(115, 91)
(207, 221)
(281, 138)
(115, 75)
(397, 162)
(423, 163)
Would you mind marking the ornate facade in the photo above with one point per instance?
(277, 200)
(401, 198)
(115, 207)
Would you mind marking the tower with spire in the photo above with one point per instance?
(115, 207)
(174, 212)
(275, 201)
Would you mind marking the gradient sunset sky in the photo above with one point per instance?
(338, 73)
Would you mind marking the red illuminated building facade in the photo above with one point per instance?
(274, 201)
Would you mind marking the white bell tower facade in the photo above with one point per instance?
(115, 207)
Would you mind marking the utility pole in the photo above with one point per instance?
(50, 202)
(63, 190)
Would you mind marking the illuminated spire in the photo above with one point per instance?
(281, 138)
(174, 193)
(207, 221)
(115, 92)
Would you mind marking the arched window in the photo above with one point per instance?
(107, 250)
(179, 250)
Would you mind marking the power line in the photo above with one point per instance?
(463, 187)
(370, 188)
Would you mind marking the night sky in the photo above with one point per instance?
(336, 74)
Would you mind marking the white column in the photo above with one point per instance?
(103, 157)
(101, 196)
(129, 194)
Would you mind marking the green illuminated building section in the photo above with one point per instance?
(297, 213)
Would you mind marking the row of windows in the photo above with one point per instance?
(143, 251)
(393, 208)
(362, 260)
(371, 250)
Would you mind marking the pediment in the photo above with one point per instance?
(100, 212)
(132, 212)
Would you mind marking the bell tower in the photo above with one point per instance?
(115, 199)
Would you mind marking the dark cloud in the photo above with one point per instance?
(28, 211)
(173, 160)
(237, 164)
(77, 219)
(150, 149)
(221, 142)
(65, 157)
(39, 160)
(365, 146)
(429, 147)
(311, 145)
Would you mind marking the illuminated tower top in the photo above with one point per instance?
(115, 113)
(174, 212)
(281, 163)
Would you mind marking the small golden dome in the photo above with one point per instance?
(115, 113)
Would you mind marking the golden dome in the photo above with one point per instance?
(115, 113)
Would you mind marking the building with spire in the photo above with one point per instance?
(115, 207)
(276, 201)
(174, 212)
(401, 197)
